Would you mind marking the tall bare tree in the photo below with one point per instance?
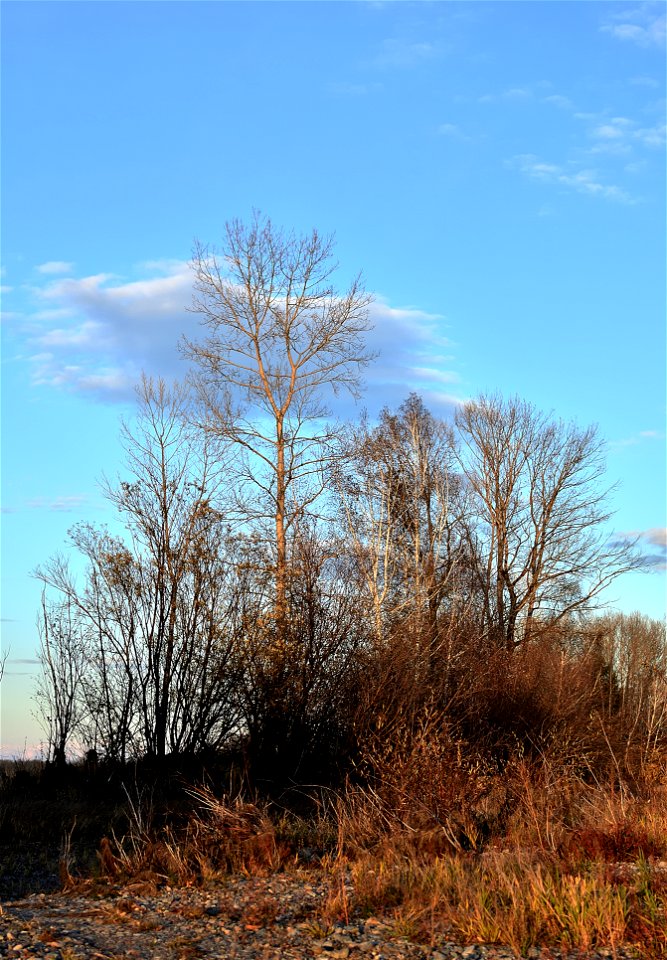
(279, 338)
(540, 516)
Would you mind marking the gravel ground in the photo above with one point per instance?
(243, 918)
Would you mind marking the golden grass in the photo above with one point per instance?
(575, 864)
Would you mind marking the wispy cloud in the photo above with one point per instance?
(516, 94)
(55, 267)
(644, 25)
(622, 134)
(60, 504)
(653, 546)
(587, 182)
(641, 437)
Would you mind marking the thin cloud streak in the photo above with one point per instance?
(60, 505)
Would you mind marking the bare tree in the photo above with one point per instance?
(399, 493)
(157, 611)
(279, 338)
(62, 657)
(539, 529)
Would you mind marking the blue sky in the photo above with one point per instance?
(497, 170)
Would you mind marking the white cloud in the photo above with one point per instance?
(613, 130)
(98, 333)
(621, 134)
(55, 267)
(587, 182)
(651, 136)
(85, 335)
(643, 25)
(414, 355)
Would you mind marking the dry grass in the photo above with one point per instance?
(223, 836)
(572, 863)
(511, 898)
(543, 851)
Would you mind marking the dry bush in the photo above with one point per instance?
(234, 835)
(538, 695)
(513, 833)
(222, 836)
(425, 784)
